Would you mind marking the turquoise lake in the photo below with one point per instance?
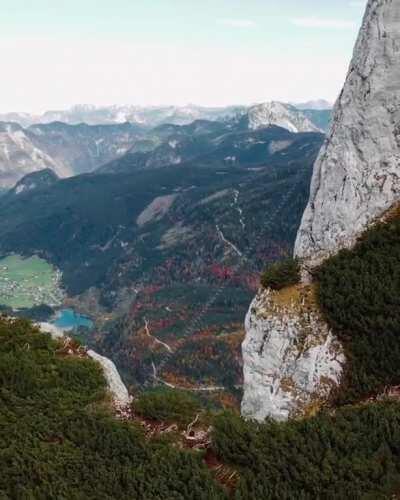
(68, 319)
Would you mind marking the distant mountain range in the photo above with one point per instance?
(66, 149)
(151, 236)
(20, 154)
(147, 116)
(211, 143)
(86, 138)
(317, 105)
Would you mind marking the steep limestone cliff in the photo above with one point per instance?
(291, 359)
(115, 385)
(357, 175)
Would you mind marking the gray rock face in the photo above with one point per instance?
(116, 387)
(66, 149)
(291, 359)
(279, 114)
(19, 156)
(357, 175)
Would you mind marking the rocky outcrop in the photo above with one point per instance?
(357, 175)
(115, 385)
(281, 115)
(117, 388)
(19, 156)
(291, 359)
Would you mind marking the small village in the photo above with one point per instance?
(29, 283)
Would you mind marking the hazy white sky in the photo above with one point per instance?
(57, 53)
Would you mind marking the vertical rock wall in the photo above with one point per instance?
(291, 359)
(357, 175)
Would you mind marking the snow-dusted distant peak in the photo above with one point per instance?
(281, 115)
(150, 116)
(315, 105)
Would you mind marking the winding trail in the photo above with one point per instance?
(155, 339)
(158, 379)
(238, 208)
(234, 247)
(212, 388)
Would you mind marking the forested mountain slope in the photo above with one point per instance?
(213, 143)
(59, 439)
(157, 245)
(358, 291)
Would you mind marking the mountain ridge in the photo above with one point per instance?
(81, 148)
(66, 149)
(150, 115)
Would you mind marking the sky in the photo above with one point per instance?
(58, 53)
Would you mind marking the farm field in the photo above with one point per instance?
(28, 282)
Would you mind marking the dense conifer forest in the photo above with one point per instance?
(359, 292)
(167, 405)
(354, 453)
(56, 441)
(59, 440)
(350, 451)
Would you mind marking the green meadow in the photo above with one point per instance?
(28, 282)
